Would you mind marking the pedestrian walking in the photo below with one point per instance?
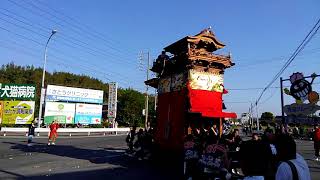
(130, 138)
(54, 126)
(316, 140)
(31, 133)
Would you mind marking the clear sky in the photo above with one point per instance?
(103, 39)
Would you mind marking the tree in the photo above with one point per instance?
(267, 116)
(130, 106)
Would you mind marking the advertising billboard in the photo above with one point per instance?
(62, 112)
(63, 93)
(88, 114)
(18, 112)
(17, 91)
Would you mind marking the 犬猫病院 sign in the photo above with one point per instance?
(17, 91)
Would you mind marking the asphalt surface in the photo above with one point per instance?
(91, 158)
(74, 158)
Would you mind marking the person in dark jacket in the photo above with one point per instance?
(130, 138)
(31, 133)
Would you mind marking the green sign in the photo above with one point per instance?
(59, 119)
(17, 91)
(18, 112)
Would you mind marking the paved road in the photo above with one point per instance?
(90, 158)
(73, 158)
(305, 148)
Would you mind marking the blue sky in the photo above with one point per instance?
(103, 39)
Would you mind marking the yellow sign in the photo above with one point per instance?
(1, 110)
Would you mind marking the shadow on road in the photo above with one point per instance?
(96, 156)
(12, 173)
(128, 167)
(110, 174)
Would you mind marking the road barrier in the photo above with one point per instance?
(71, 131)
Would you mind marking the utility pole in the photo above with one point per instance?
(281, 93)
(250, 115)
(147, 96)
(155, 100)
(257, 116)
(146, 111)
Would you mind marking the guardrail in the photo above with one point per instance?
(6, 130)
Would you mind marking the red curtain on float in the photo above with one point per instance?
(171, 112)
(208, 103)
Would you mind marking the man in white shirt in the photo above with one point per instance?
(286, 149)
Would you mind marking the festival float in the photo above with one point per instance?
(190, 87)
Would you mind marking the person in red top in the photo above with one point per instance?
(316, 140)
(53, 133)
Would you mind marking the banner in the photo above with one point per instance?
(63, 93)
(18, 112)
(206, 81)
(88, 114)
(17, 91)
(1, 111)
(112, 100)
(63, 112)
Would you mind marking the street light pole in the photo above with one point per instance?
(43, 76)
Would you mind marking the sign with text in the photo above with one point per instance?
(296, 109)
(65, 110)
(88, 114)
(63, 93)
(17, 91)
(112, 100)
(18, 112)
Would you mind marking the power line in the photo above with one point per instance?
(61, 63)
(24, 37)
(43, 27)
(266, 61)
(245, 89)
(92, 31)
(72, 26)
(305, 41)
(39, 42)
(257, 88)
(237, 102)
(66, 41)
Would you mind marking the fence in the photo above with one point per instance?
(70, 131)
